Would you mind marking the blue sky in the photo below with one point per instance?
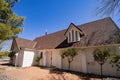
(53, 15)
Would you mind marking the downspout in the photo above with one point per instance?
(86, 62)
(61, 63)
(51, 59)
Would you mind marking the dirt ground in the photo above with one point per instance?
(37, 73)
(32, 73)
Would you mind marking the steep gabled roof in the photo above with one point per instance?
(24, 43)
(72, 25)
(100, 32)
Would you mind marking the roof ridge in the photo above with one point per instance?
(77, 26)
(49, 34)
(114, 24)
(58, 40)
(25, 39)
(28, 43)
(94, 21)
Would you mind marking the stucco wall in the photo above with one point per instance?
(94, 67)
(20, 58)
(15, 49)
(48, 58)
(53, 58)
(78, 63)
(44, 58)
(83, 62)
(42, 61)
(56, 58)
(35, 55)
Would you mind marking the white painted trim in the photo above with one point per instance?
(16, 59)
(74, 36)
(78, 36)
(70, 36)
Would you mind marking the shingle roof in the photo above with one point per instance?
(24, 43)
(100, 32)
(50, 41)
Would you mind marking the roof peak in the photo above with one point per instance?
(77, 26)
(107, 18)
(23, 38)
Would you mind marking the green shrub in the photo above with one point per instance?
(37, 59)
(11, 54)
(5, 53)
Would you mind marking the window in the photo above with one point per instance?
(69, 37)
(41, 55)
(76, 35)
(73, 35)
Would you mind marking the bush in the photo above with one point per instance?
(11, 54)
(5, 53)
(37, 59)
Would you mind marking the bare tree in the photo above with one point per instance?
(108, 8)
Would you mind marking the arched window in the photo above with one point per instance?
(73, 35)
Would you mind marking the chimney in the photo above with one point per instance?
(45, 32)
